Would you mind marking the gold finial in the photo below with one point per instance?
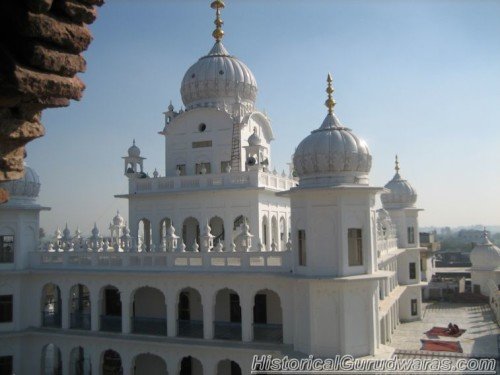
(218, 33)
(330, 103)
(397, 164)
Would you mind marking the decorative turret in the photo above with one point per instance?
(134, 162)
(400, 193)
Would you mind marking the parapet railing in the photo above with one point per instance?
(207, 181)
(252, 261)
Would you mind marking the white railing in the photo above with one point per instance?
(262, 261)
(207, 181)
(384, 245)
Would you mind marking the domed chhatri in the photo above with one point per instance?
(134, 151)
(218, 79)
(254, 139)
(26, 187)
(332, 154)
(401, 194)
(485, 254)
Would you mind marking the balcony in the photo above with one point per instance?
(211, 181)
(111, 323)
(149, 326)
(80, 320)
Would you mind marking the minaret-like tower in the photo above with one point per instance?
(134, 162)
(334, 245)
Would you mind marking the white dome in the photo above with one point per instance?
(254, 139)
(134, 151)
(485, 255)
(218, 79)
(118, 220)
(332, 154)
(26, 187)
(401, 194)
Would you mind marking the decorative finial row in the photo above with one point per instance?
(397, 164)
(330, 103)
(218, 33)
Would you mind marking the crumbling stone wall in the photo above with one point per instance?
(41, 42)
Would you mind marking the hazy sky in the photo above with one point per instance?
(417, 78)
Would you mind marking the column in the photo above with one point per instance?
(171, 313)
(65, 357)
(126, 364)
(287, 317)
(65, 306)
(126, 309)
(95, 362)
(207, 301)
(246, 304)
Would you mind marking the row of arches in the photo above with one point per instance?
(274, 231)
(147, 313)
(110, 362)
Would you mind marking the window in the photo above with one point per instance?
(355, 246)
(234, 308)
(202, 127)
(201, 144)
(182, 169)
(6, 309)
(413, 271)
(202, 168)
(414, 309)
(224, 165)
(302, 247)
(6, 367)
(6, 249)
(411, 235)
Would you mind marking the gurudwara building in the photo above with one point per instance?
(222, 258)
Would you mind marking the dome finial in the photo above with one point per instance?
(133, 142)
(330, 103)
(218, 33)
(397, 164)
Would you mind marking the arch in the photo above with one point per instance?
(265, 232)
(149, 364)
(190, 232)
(164, 224)
(217, 229)
(267, 316)
(228, 367)
(110, 309)
(274, 232)
(51, 305)
(51, 360)
(79, 362)
(79, 307)
(227, 315)
(190, 366)
(111, 363)
(149, 311)
(189, 313)
(144, 234)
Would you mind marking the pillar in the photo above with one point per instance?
(94, 310)
(171, 298)
(65, 307)
(126, 312)
(207, 300)
(246, 304)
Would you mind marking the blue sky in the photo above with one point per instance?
(417, 78)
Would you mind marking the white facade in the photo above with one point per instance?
(223, 257)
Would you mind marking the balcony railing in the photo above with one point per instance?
(209, 181)
(51, 319)
(190, 328)
(149, 326)
(80, 320)
(253, 261)
(268, 332)
(227, 331)
(111, 323)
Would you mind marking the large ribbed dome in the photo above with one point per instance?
(485, 254)
(401, 194)
(218, 79)
(332, 154)
(26, 187)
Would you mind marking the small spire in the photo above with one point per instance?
(397, 165)
(133, 142)
(218, 33)
(330, 103)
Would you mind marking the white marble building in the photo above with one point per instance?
(223, 257)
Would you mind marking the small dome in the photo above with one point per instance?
(26, 187)
(218, 79)
(134, 151)
(401, 194)
(118, 220)
(254, 139)
(485, 254)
